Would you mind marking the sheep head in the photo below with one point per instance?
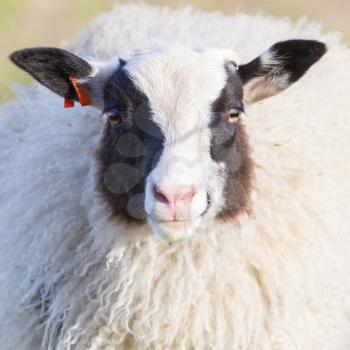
(174, 150)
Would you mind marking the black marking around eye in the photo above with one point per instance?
(229, 146)
(137, 144)
(231, 95)
(120, 93)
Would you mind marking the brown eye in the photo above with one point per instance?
(114, 119)
(233, 115)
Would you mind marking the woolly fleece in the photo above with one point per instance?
(278, 277)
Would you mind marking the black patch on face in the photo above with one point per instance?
(229, 145)
(130, 150)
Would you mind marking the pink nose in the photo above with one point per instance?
(180, 198)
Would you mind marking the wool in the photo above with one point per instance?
(73, 276)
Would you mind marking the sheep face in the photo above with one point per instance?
(173, 138)
(174, 150)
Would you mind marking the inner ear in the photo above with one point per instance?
(279, 67)
(57, 69)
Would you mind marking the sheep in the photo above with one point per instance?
(219, 222)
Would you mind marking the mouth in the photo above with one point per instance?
(175, 230)
(174, 223)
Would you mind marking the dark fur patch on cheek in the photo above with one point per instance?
(235, 154)
(124, 170)
(229, 145)
(129, 151)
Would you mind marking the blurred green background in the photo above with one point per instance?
(26, 23)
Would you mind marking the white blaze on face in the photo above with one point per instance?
(181, 85)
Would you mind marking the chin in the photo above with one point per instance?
(173, 231)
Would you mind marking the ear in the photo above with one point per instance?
(279, 67)
(59, 70)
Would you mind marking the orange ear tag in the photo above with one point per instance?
(82, 94)
(68, 103)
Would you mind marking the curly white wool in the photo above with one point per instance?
(277, 278)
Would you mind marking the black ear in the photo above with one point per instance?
(53, 68)
(279, 67)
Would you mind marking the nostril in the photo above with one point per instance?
(160, 195)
